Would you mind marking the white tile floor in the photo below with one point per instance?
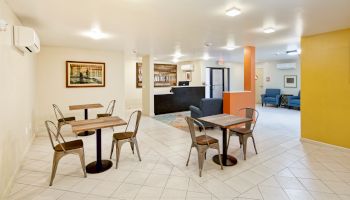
(285, 168)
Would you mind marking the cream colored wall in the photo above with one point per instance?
(277, 76)
(16, 102)
(197, 79)
(50, 81)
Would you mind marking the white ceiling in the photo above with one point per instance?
(158, 27)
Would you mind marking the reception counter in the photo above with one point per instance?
(178, 99)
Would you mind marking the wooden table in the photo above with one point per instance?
(85, 107)
(225, 121)
(99, 165)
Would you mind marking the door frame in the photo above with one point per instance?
(223, 79)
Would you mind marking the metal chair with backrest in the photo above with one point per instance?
(109, 110)
(127, 136)
(60, 118)
(62, 148)
(202, 143)
(247, 131)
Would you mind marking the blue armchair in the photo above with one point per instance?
(294, 101)
(271, 96)
(207, 107)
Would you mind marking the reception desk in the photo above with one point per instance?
(178, 99)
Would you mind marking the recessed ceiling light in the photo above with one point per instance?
(230, 47)
(175, 60)
(178, 54)
(206, 56)
(96, 34)
(269, 30)
(233, 12)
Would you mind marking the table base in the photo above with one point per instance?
(92, 168)
(86, 133)
(230, 160)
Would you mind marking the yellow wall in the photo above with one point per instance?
(325, 85)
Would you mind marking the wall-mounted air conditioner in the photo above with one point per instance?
(26, 39)
(286, 66)
(187, 67)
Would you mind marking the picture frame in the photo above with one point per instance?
(188, 76)
(81, 74)
(290, 81)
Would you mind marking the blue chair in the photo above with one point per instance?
(207, 107)
(294, 101)
(271, 96)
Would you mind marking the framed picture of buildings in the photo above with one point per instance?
(290, 81)
(85, 74)
(165, 75)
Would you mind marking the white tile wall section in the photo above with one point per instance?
(285, 168)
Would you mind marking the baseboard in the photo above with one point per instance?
(12, 179)
(324, 144)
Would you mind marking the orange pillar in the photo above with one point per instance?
(233, 101)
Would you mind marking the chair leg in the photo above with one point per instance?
(137, 149)
(244, 146)
(56, 158)
(200, 160)
(240, 141)
(112, 149)
(189, 155)
(228, 141)
(117, 153)
(132, 147)
(82, 161)
(254, 144)
(218, 148)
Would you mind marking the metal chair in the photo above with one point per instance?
(60, 118)
(247, 131)
(109, 110)
(201, 143)
(62, 148)
(127, 136)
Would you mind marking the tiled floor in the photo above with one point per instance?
(285, 168)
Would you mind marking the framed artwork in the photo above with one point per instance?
(188, 76)
(165, 75)
(290, 81)
(85, 74)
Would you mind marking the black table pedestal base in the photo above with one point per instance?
(86, 133)
(230, 160)
(92, 168)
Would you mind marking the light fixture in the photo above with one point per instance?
(3, 25)
(206, 56)
(175, 60)
(96, 34)
(178, 54)
(233, 12)
(230, 47)
(269, 30)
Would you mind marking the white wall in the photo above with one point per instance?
(51, 88)
(277, 76)
(16, 102)
(196, 73)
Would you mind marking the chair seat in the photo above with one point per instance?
(204, 140)
(75, 144)
(270, 99)
(123, 135)
(241, 130)
(67, 119)
(103, 115)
